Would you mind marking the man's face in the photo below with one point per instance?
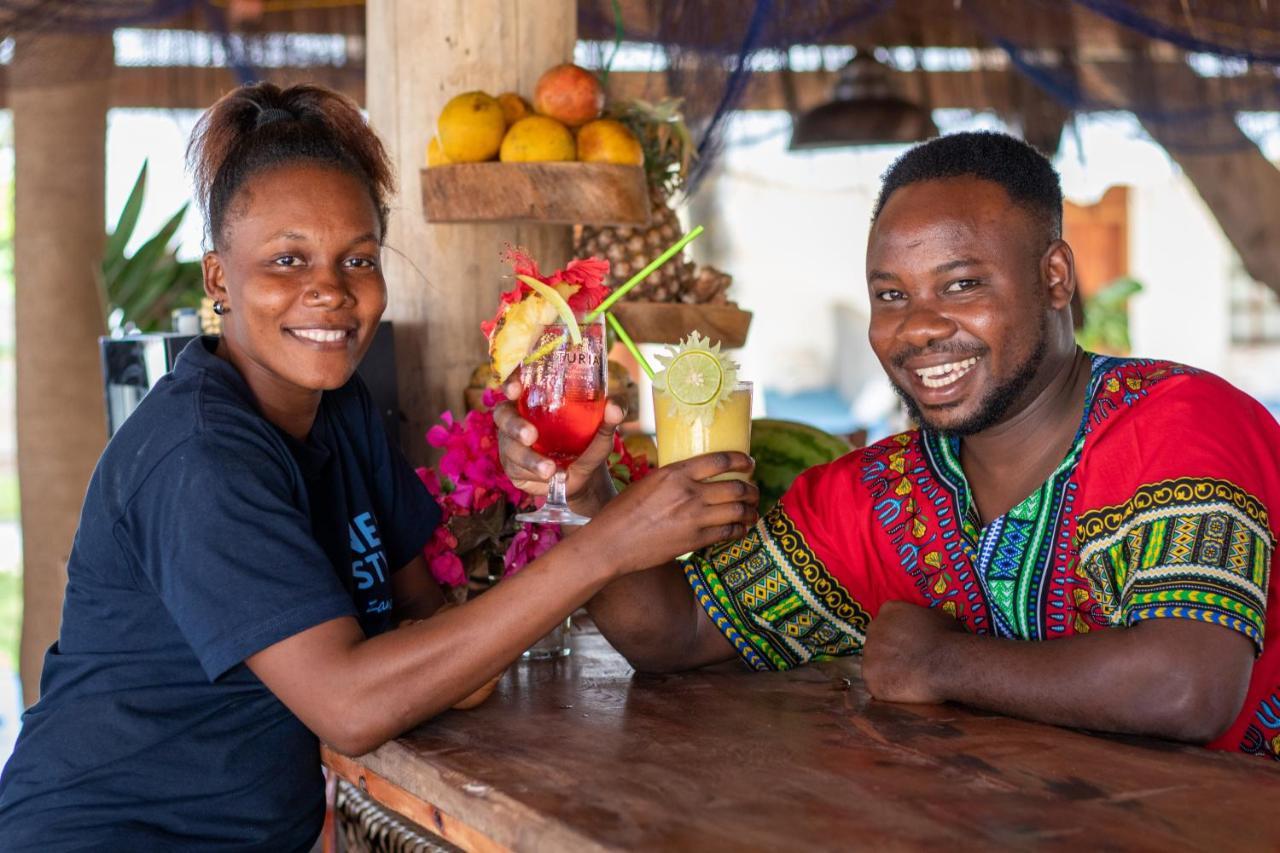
(959, 311)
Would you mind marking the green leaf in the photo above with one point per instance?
(113, 255)
(1106, 318)
(150, 306)
(138, 269)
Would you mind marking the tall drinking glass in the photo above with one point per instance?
(565, 391)
(728, 428)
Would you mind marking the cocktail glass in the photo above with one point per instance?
(726, 428)
(565, 391)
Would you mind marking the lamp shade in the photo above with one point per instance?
(865, 110)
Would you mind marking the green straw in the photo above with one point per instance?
(618, 293)
(628, 343)
(621, 290)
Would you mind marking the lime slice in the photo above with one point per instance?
(695, 377)
(557, 302)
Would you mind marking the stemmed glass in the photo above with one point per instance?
(565, 391)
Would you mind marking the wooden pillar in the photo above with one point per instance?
(443, 280)
(58, 92)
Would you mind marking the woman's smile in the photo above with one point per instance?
(324, 338)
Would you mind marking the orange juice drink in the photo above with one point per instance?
(728, 427)
(699, 405)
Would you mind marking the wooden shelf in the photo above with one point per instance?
(669, 322)
(552, 193)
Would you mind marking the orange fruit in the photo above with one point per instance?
(435, 155)
(569, 94)
(514, 107)
(537, 139)
(608, 141)
(471, 127)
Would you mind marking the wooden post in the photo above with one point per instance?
(443, 280)
(58, 90)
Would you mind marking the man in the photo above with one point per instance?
(1120, 507)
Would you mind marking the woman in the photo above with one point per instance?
(250, 534)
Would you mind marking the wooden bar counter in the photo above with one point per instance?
(583, 754)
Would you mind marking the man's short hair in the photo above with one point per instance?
(1025, 173)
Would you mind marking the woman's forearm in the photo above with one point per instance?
(357, 693)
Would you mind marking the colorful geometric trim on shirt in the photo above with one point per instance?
(775, 601)
(1262, 737)
(1013, 555)
(1125, 381)
(919, 516)
(1186, 548)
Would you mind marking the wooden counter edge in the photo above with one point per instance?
(443, 808)
(399, 800)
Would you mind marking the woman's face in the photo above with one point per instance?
(299, 271)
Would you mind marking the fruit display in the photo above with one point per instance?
(607, 141)
(667, 150)
(567, 119)
(475, 127)
(537, 139)
(471, 127)
(514, 107)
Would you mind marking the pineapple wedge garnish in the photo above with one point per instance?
(519, 328)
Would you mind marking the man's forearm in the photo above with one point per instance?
(1142, 680)
(650, 617)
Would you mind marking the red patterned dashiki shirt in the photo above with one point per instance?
(1163, 508)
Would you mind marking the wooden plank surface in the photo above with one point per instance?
(557, 193)
(669, 322)
(584, 754)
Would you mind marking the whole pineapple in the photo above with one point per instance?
(668, 151)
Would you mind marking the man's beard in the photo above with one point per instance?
(996, 404)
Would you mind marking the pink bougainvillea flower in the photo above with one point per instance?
(530, 542)
(445, 565)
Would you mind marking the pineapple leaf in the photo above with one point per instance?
(666, 140)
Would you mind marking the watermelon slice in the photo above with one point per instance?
(785, 449)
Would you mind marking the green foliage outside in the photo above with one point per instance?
(1106, 318)
(144, 288)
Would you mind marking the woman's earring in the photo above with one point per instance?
(220, 307)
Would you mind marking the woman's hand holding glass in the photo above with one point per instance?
(672, 511)
(587, 487)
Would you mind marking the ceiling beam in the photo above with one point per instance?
(1001, 90)
(932, 23)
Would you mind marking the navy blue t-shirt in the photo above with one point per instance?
(207, 535)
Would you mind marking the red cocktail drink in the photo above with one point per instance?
(565, 391)
(564, 429)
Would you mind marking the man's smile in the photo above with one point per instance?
(942, 375)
